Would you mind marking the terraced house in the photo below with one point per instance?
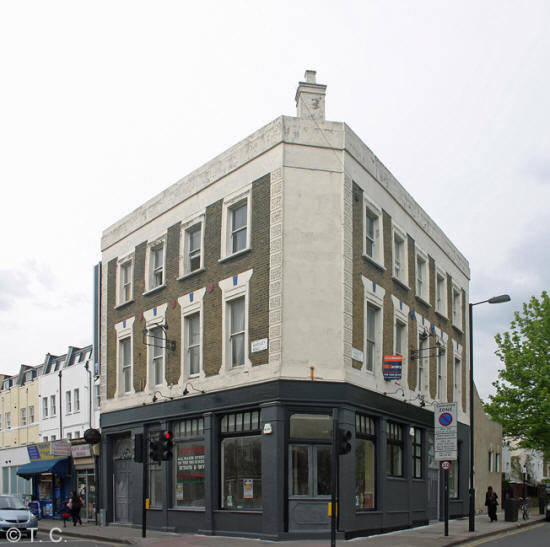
(248, 309)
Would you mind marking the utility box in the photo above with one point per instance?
(511, 508)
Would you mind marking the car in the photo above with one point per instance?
(15, 514)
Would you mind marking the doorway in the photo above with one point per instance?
(309, 483)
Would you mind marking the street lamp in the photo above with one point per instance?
(494, 300)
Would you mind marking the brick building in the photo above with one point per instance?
(248, 309)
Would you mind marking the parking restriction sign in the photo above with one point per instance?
(445, 429)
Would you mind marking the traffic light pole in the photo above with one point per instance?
(144, 488)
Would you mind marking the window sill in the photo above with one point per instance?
(458, 329)
(235, 255)
(191, 274)
(124, 304)
(401, 283)
(396, 478)
(154, 290)
(441, 315)
(369, 260)
(188, 508)
(423, 301)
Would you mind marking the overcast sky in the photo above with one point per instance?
(105, 104)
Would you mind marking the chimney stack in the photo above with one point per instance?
(310, 98)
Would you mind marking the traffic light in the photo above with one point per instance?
(155, 450)
(166, 445)
(344, 437)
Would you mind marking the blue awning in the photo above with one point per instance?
(58, 467)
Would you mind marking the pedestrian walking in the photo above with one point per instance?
(76, 506)
(491, 502)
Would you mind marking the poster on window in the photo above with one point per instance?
(248, 488)
(179, 491)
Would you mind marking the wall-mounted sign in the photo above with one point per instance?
(61, 448)
(81, 451)
(357, 355)
(392, 367)
(259, 345)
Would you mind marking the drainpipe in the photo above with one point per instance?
(60, 408)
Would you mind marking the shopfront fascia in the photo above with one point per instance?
(255, 462)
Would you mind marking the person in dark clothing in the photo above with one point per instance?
(491, 501)
(76, 505)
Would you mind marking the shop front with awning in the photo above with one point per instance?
(51, 475)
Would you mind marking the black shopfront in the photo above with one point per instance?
(255, 461)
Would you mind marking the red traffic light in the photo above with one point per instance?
(167, 435)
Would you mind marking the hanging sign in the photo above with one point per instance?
(392, 367)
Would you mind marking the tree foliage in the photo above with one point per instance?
(522, 399)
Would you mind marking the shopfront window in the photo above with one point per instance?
(394, 449)
(241, 451)
(416, 453)
(189, 463)
(365, 462)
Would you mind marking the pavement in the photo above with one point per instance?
(432, 535)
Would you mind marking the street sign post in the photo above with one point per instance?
(445, 430)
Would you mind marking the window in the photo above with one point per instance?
(236, 331)
(23, 416)
(76, 400)
(421, 357)
(31, 414)
(457, 307)
(241, 469)
(372, 226)
(77, 434)
(193, 343)
(453, 479)
(422, 275)
(394, 449)
(97, 396)
(125, 282)
(53, 438)
(125, 356)
(235, 292)
(156, 341)
(370, 343)
(68, 407)
(416, 453)
(399, 342)
(372, 329)
(154, 264)
(497, 463)
(490, 466)
(236, 218)
(189, 463)
(53, 408)
(441, 293)
(8, 420)
(400, 266)
(457, 375)
(69, 436)
(45, 439)
(194, 249)
(45, 407)
(156, 482)
(365, 462)
(441, 390)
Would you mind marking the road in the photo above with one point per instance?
(530, 536)
(56, 539)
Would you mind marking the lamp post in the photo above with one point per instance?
(472, 492)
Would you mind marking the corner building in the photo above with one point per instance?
(248, 308)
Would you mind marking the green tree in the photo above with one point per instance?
(522, 399)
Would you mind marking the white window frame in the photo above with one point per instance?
(400, 269)
(458, 363)
(424, 293)
(31, 414)
(154, 318)
(8, 420)
(372, 210)
(440, 304)
(456, 302)
(190, 304)
(232, 288)
(76, 400)
(53, 406)
(125, 330)
(401, 316)
(229, 203)
(23, 417)
(44, 407)
(126, 262)
(441, 368)
(423, 357)
(373, 295)
(190, 225)
(69, 436)
(68, 402)
(150, 264)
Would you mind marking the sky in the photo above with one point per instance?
(105, 104)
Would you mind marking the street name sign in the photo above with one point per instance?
(445, 431)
